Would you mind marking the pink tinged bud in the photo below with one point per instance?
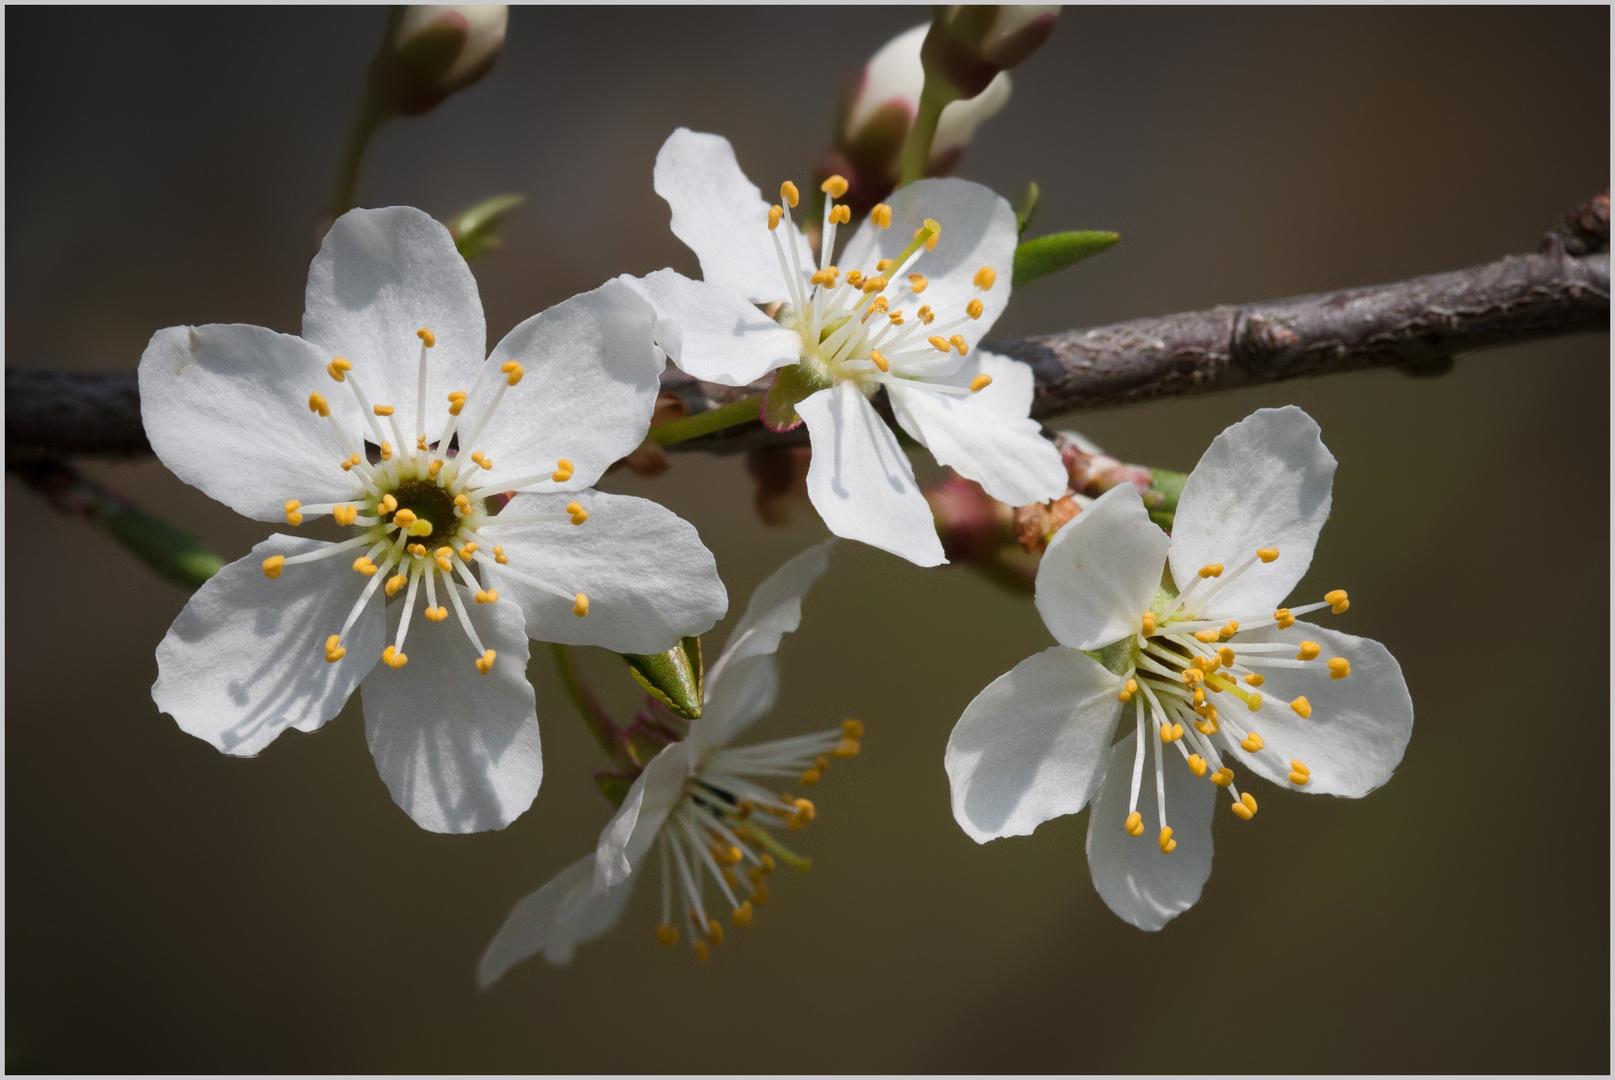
(970, 45)
(434, 50)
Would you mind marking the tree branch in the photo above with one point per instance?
(1416, 325)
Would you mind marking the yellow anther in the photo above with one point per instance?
(1267, 554)
(1171, 733)
(805, 808)
(1254, 679)
(1299, 774)
(1168, 845)
(852, 729)
(1309, 650)
(896, 317)
(1134, 824)
(499, 554)
(345, 514)
(1199, 695)
(918, 283)
(714, 932)
(488, 596)
(456, 402)
(420, 443)
(789, 194)
(365, 566)
(1254, 702)
(579, 514)
(427, 337)
(1208, 725)
(742, 915)
(939, 343)
(350, 463)
(879, 360)
(292, 516)
(766, 862)
(846, 748)
(1230, 628)
(835, 187)
(775, 215)
(840, 214)
(581, 607)
(418, 550)
(827, 276)
(441, 557)
(702, 953)
(404, 518)
(855, 278)
(1302, 707)
(1226, 655)
(333, 649)
(318, 404)
(336, 368)
(985, 277)
(481, 459)
(980, 383)
(420, 528)
(1339, 667)
(959, 343)
(1247, 802)
(1193, 676)
(811, 776)
(1148, 627)
(926, 315)
(563, 471)
(437, 614)
(1128, 691)
(881, 216)
(394, 583)
(1223, 777)
(1284, 619)
(883, 265)
(485, 661)
(1197, 764)
(875, 284)
(1336, 599)
(273, 566)
(1300, 767)
(1206, 636)
(393, 658)
(667, 935)
(974, 309)
(515, 376)
(386, 451)
(382, 410)
(1251, 743)
(1211, 570)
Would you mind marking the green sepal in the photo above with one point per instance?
(168, 549)
(1023, 216)
(791, 385)
(1161, 500)
(613, 787)
(1046, 254)
(673, 678)
(476, 230)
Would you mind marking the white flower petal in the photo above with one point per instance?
(861, 482)
(1006, 454)
(1101, 572)
(649, 579)
(555, 920)
(711, 331)
(631, 831)
(1360, 725)
(380, 276)
(722, 216)
(226, 409)
(592, 372)
(1032, 746)
(457, 749)
(978, 229)
(246, 660)
(742, 683)
(1012, 388)
(1264, 482)
(1133, 876)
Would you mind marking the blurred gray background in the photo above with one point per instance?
(172, 909)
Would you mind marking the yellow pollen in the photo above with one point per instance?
(333, 649)
(702, 953)
(918, 283)
(974, 309)
(1149, 623)
(1336, 599)
(875, 284)
(1199, 695)
(980, 382)
(852, 729)
(667, 935)
(581, 607)
(292, 516)
(427, 337)
(466, 552)
(350, 463)
(1267, 554)
(273, 566)
(499, 554)
(846, 748)
(318, 404)
(714, 932)
(336, 368)
(883, 265)
(420, 528)
(418, 550)
(441, 557)
(881, 215)
(386, 451)
(775, 214)
(1208, 725)
(855, 278)
(393, 658)
(811, 777)
(1302, 707)
(456, 402)
(563, 471)
(1254, 679)
(437, 614)
(420, 442)
(1309, 650)
(1299, 774)
(1255, 702)
(1206, 636)
(1171, 733)
(488, 596)
(896, 317)
(840, 214)
(482, 459)
(1223, 777)
(1226, 655)
(742, 915)
(1197, 764)
(405, 518)
(1339, 667)
(985, 277)
(789, 194)
(1168, 845)
(1134, 824)
(1211, 570)
(1284, 619)
(1128, 691)
(1229, 630)
(939, 343)
(827, 277)
(394, 583)
(346, 514)
(1193, 676)
(485, 661)
(365, 566)
(1246, 806)
(926, 315)
(835, 187)
(879, 360)
(579, 514)
(958, 342)
(1251, 743)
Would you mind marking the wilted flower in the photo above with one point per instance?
(338, 422)
(1204, 660)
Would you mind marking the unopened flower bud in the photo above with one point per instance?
(432, 51)
(971, 44)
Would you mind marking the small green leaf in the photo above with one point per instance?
(673, 678)
(1046, 254)
(1023, 216)
(1161, 500)
(476, 230)
(166, 548)
(791, 385)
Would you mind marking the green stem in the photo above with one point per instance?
(347, 181)
(595, 717)
(936, 96)
(796, 862)
(704, 423)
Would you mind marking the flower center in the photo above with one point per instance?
(863, 321)
(722, 829)
(1178, 666)
(420, 510)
